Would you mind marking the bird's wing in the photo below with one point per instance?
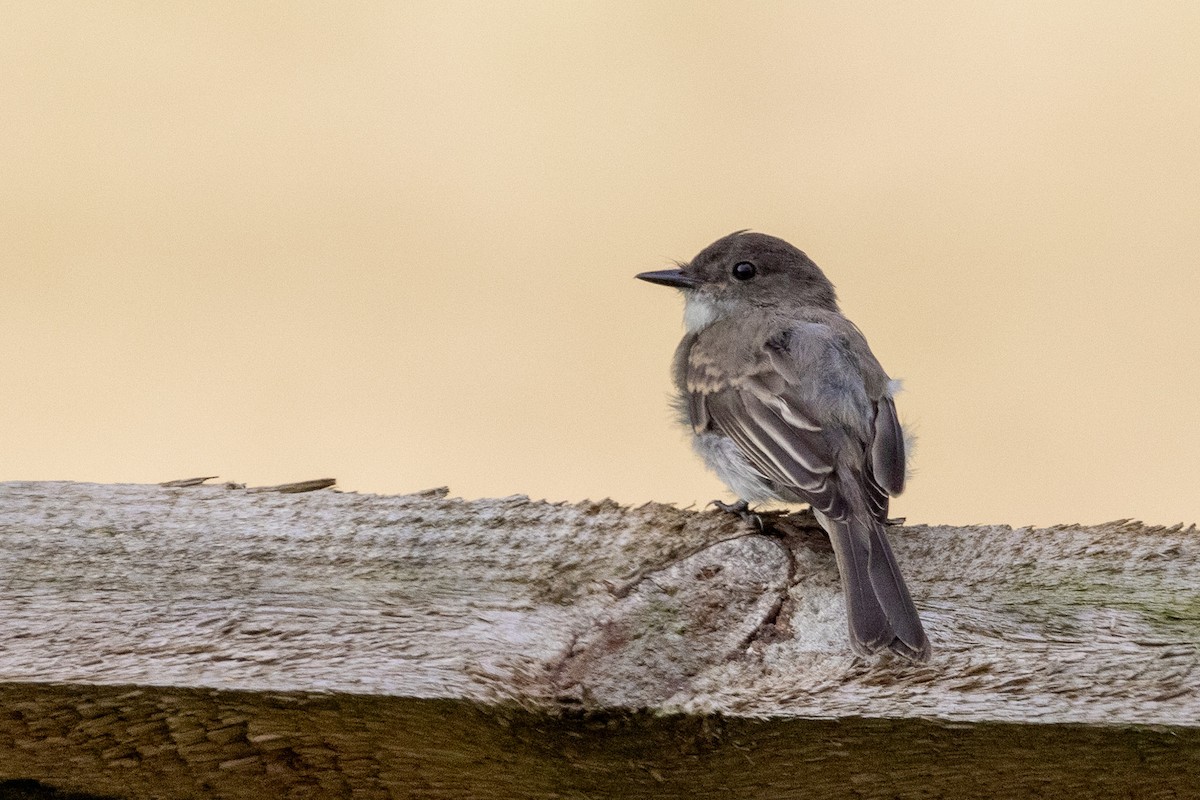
(765, 406)
(761, 407)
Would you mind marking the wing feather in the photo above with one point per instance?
(887, 448)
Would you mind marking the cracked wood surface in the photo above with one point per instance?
(251, 642)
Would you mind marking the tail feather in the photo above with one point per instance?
(879, 609)
(892, 594)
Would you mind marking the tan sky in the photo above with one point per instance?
(393, 243)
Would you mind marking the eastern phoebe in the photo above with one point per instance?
(786, 403)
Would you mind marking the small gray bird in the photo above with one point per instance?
(788, 404)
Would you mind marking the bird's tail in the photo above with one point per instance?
(880, 612)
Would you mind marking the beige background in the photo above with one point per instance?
(394, 243)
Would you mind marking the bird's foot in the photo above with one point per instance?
(762, 521)
(741, 507)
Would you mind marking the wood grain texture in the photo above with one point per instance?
(209, 642)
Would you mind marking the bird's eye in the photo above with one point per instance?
(744, 270)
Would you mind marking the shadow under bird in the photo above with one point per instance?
(786, 403)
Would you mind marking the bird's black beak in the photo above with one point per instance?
(670, 277)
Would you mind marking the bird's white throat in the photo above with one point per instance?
(699, 311)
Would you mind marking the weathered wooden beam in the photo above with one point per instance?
(212, 642)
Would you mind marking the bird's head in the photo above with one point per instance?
(745, 271)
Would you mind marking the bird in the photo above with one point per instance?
(786, 403)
